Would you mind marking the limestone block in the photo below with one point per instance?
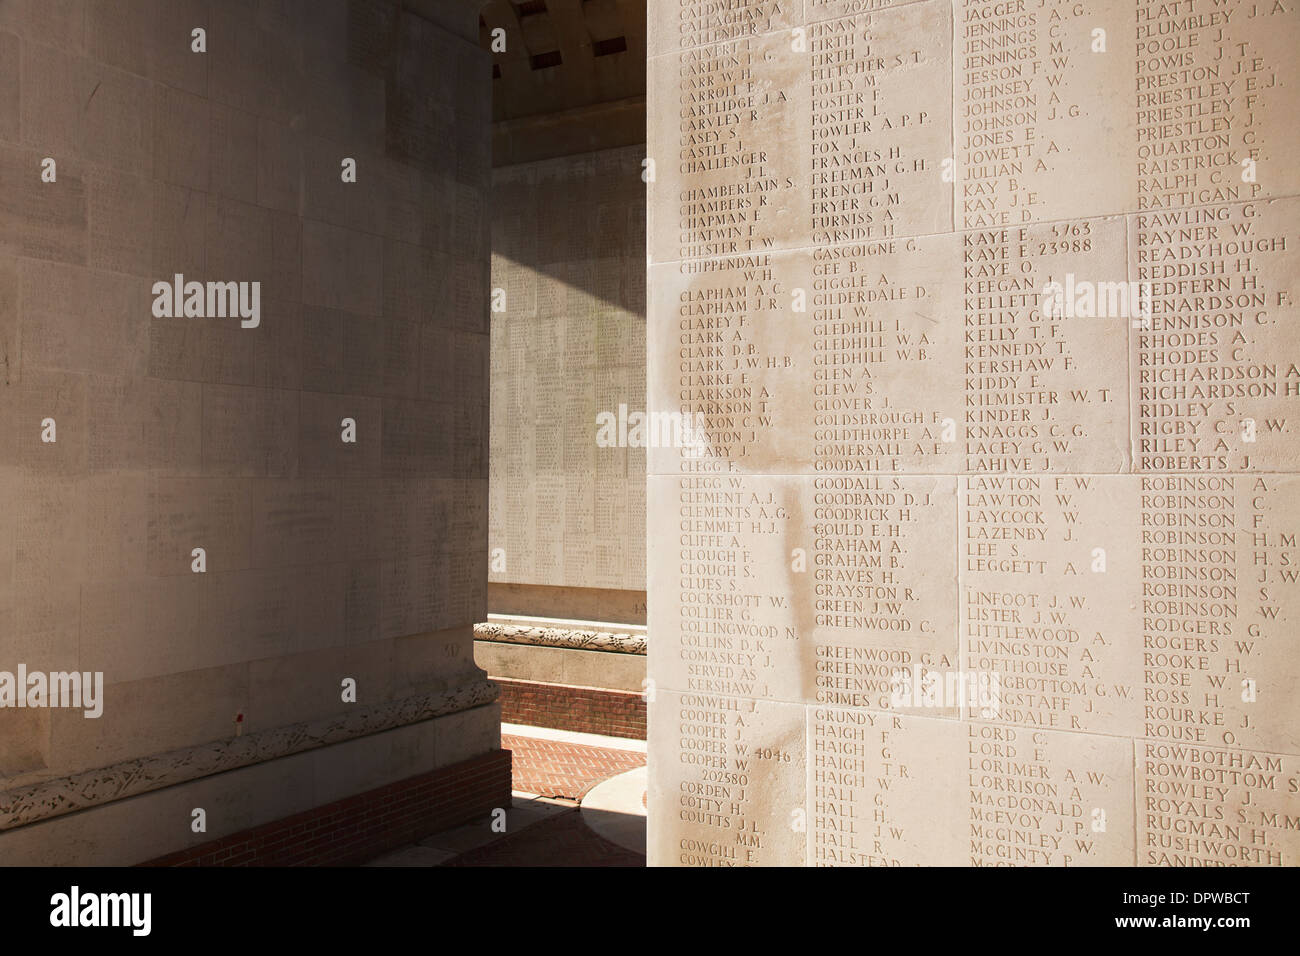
(356, 205)
(120, 207)
(253, 68)
(224, 353)
(419, 439)
(77, 319)
(59, 22)
(441, 659)
(182, 145)
(240, 241)
(469, 732)
(342, 269)
(42, 220)
(279, 166)
(732, 791)
(148, 425)
(309, 687)
(117, 530)
(151, 38)
(1244, 795)
(889, 789)
(234, 164)
(408, 270)
(295, 522)
(1237, 318)
(132, 630)
(55, 86)
(40, 397)
(322, 451)
(249, 432)
(179, 227)
(116, 123)
(804, 589)
(47, 557)
(10, 101)
(202, 705)
(286, 277)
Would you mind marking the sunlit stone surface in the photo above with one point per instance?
(985, 312)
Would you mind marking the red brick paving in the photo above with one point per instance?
(564, 840)
(553, 769)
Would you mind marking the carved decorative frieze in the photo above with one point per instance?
(129, 778)
(575, 638)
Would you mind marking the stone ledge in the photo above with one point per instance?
(576, 638)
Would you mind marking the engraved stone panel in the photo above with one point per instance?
(816, 589)
(891, 790)
(183, 508)
(1215, 372)
(871, 357)
(733, 796)
(971, 330)
(1206, 807)
(566, 350)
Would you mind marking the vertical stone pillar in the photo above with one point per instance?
(980, 548)
(265, 529)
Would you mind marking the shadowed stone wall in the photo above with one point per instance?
(329, 458)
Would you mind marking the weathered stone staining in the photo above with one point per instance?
(860, 543)
(1021, 566)
(737, 783)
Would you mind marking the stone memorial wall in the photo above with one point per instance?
(566, 501)
(261, 534)
(974, 325)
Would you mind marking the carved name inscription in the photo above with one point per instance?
(983, 315)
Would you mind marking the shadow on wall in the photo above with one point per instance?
(568, 235)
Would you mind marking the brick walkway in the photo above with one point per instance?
(543, 832)
(550, 768)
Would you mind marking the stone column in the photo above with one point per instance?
(981, 547)
(262, 520)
